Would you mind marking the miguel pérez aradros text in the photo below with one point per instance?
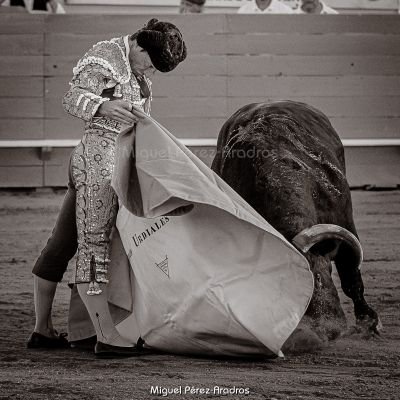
(166, 391)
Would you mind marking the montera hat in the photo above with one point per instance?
(164, 43)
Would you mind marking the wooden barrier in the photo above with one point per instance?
(347, 66)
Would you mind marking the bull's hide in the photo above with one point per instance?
(217, 280)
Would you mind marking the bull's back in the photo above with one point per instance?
(287, 161)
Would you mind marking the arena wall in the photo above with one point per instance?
(346, 65)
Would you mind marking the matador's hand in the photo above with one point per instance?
(119, 110)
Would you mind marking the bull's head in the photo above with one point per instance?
(321, 243)
(325, 318)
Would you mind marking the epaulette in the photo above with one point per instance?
(111, 56)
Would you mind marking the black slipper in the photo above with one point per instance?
(39, 341)
(104, 350)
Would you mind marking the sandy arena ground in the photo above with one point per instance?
(350, 368)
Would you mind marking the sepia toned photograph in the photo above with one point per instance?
(199, 199)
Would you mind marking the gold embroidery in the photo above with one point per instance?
(96, 203)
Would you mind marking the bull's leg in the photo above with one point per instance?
(353, 287)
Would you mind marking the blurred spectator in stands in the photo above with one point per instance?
(315, 7)
(36, 6)
(191, 6)
(50, 6)
(309, 7)
(265, 7)
(13, 3)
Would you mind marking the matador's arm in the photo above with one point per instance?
(84, 96)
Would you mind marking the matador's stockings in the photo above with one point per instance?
(97, 307)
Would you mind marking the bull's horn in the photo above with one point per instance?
(309, 237)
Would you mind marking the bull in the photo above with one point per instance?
(286, 160)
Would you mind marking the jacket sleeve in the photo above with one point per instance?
(84, 96)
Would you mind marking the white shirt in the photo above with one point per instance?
(276, 7)
(293, 4)
(327, 10)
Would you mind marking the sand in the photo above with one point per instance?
(350, 368)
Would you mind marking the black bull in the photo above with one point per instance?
(286, 160)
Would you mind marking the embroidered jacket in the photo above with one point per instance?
(104, 73)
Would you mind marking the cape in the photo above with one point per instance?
(217, 280)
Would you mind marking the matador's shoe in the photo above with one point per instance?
(84, 344)
(104, 350)
(39, 341)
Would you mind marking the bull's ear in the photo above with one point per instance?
(319, 234)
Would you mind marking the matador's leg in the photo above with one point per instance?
(96, 211)
(96, 206)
